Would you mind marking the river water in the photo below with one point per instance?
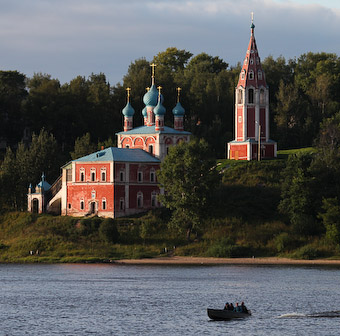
(166, 300)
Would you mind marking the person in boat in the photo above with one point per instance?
(231, 307)
(244, 308)
(226, 307)
(237, 308)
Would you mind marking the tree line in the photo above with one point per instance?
(45, 123)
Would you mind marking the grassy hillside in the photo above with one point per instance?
(244, 222)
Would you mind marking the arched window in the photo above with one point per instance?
(251, 61)
(243, 74)
(82, 205)
(262, 97)
(139, 200)
(82, 175)
(240, 96)
(153, 199)
(246, 60)
(121, 176)
(251, 96)
(93, 174)
(152, 175)
(251, 74)
(93, 194)
(140, 176)
(103, 174)
(259, 74)
(104, 203)
(127, 146)
(151, 149)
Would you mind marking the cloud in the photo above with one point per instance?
(67, 38)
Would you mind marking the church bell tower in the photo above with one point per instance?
(252, 110)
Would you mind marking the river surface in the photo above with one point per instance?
(166, 300)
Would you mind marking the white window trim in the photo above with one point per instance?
(82, 173)
(93, 171)
(103, 171)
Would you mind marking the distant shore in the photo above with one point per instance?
(225, 261)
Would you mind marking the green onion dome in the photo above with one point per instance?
(151, 97)
(145, 112)
(178, 110)
(128, 110)
(159, 110)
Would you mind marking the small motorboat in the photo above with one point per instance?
(225, 315)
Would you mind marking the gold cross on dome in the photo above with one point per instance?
(128, 93)
(159, 89)
(178, 93)
(153, 66)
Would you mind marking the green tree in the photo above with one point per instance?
(26, 167)
(189, 178)
(108, 230)
(12, 103)
(83, 146)
(331, 219)
(298, 195)
(173, 59)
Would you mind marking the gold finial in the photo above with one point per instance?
(178, 93)
(128, 94)
(153, 66)
(159, 90)
(252, 17)
(147, 89)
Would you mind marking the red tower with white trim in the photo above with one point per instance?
(252, 110)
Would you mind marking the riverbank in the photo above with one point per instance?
(225, 261)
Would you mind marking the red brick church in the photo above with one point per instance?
(115, 182)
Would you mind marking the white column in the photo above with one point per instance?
(236, 100)
(127, 180)
(267, 114)
(257, 113)
(244, 117)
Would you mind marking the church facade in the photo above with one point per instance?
(116, 181)
(251, 127)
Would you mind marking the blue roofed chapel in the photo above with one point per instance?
(116, 182)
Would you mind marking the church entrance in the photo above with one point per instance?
(93, 207)
(35, 205)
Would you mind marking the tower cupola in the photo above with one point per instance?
(128, 112)
(178, 112)
(159, 112)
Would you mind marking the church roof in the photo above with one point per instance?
(252, 73)
(152, 130)
(120, 155)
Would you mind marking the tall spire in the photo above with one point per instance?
(178, 93)
(252, 26)
(153, 66)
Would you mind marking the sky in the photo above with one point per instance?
(67, 38)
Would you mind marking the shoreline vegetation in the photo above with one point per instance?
(177, 260)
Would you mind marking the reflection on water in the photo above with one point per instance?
(172, 300)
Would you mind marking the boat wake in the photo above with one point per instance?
(335, 313)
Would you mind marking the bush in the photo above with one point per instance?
(308, 252)
(225, 249)
(89, 225)
(282, 242)
(108, 230)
